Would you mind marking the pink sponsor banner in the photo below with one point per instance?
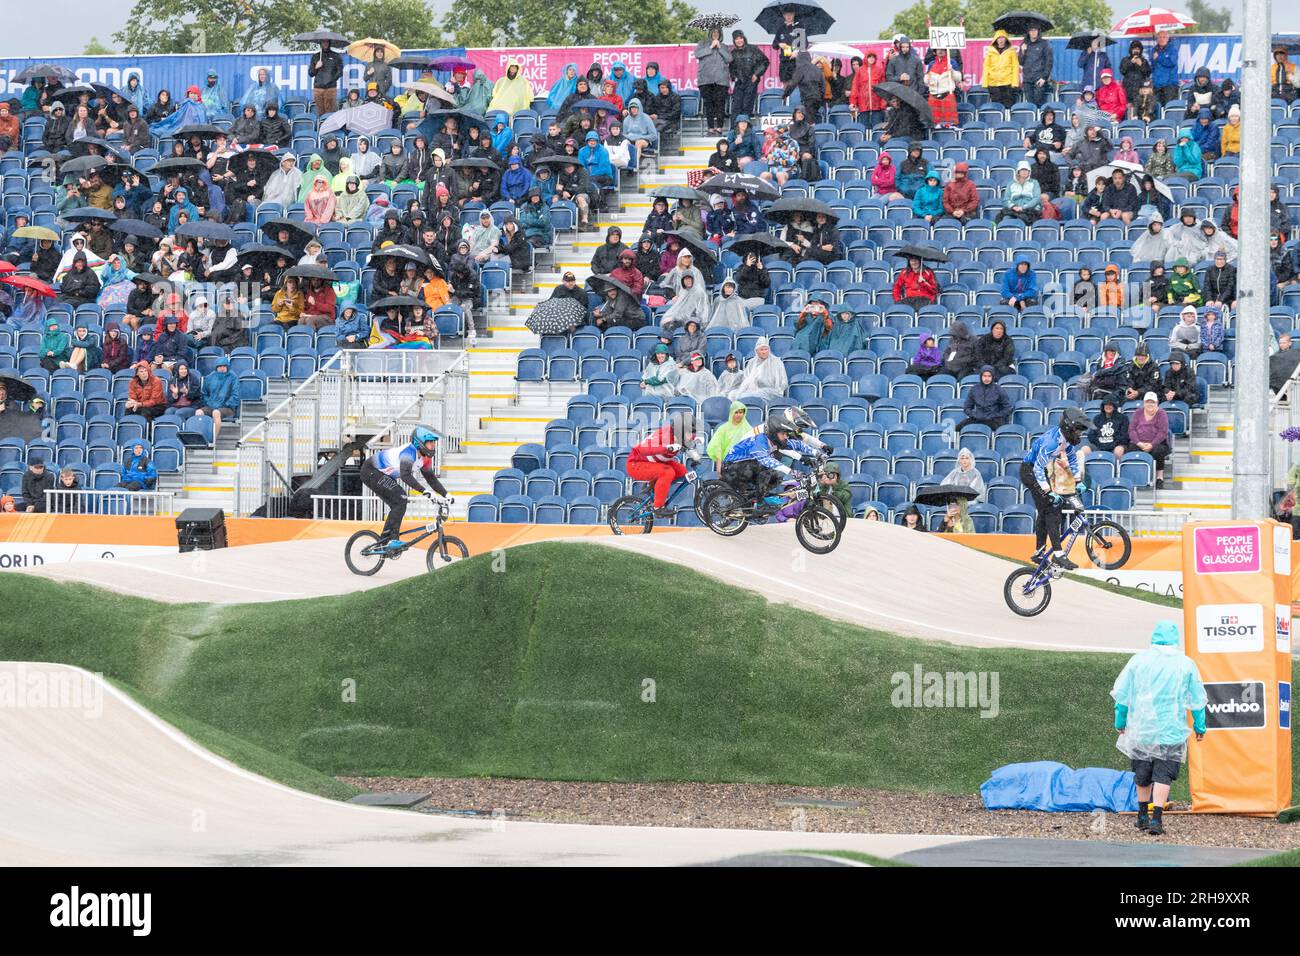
(1228, 549)
(543, 66)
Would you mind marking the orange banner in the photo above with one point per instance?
(1237, 627)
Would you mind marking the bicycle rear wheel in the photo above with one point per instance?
(359, 562)
(723, 512)
(817, 529)
(1108, 545)
(453, 549)
(832, 504)
(1024, 602)
(631, 514)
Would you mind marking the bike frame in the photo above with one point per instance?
(647, 502)
(423, 531)
(1078, 525)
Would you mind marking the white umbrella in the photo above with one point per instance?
(366, 120)
(430, 89)
(833, 51)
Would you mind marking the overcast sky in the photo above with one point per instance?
(31, 35)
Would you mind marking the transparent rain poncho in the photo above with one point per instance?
(1158, 686)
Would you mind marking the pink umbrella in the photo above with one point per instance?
(1151, 20)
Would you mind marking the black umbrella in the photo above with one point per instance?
(300, 233)
(759, 243)
(74, 91)
(262, 254)
(87, 213)
(474, 162)
(559, 161)
(592, 104)
(814, 19)
(18, 389)
(677, 192)
(315, 36)
(463, 118)
(943, 495)
(696, 243)
(84, 164)
(152, 279)
(201, 130)
(910, 97)
(601, 284)
(1082, 41)
(137, 227)
(409, 253)
(556, 316)
(268, 160)
(783, 210)
(1018, 22)
(410, 61)
(730, 182)
(928, 253)
(82, 146)
(313, 271)
(176, 164)
(397, 302)
(45, 71)
(204, 229)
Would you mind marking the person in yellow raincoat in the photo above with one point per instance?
(1002, 70)
(512, 92)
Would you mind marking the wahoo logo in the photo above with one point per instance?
(1229, 628)
(1284, 705)
(1235, 705)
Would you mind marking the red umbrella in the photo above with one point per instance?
(30, 283)
(7, 266)
(1151, 20)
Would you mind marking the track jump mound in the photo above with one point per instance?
(103, 782)
(278, 571)
(921, 585)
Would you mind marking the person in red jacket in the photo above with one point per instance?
(655, 459)
(863, 98)
(1111, 96)
(961, 200)
(916, 285)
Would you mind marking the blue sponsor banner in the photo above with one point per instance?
(1219, 53)
(175, 72)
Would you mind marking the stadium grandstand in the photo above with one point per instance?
(181, 205)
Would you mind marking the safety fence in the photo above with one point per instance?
(112, 501)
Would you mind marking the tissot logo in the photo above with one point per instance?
(1235, 705)
(1229, 628)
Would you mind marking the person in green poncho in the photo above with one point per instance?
(728, 433)
(56, 346)
(315, 167)
(813, 328)
(846, 334)
(475, 97)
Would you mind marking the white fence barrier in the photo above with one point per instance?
(113, 501)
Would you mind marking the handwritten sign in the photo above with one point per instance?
(948, 38)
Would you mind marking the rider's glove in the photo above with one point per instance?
(1056, 499)
(783, 469)
(1081, 485)
(674, 448)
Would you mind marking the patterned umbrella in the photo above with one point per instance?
(1151, 20)
(707, 21)
(556, 316)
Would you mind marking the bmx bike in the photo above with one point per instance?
(365, 555)
(819, 526)
(635, 514)
(1028, 591)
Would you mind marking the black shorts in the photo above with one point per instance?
(1159, 771)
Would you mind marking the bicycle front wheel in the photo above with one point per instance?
(362, 555)
(702, 490)
(1108, 544)
(631, 514)
(1021, 597)
(723, 512)
(452, 549)
(817, 529)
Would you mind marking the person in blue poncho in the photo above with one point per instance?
(1020, 285)
(639, 128)
(1188, 161)
(220, 396)
(624, 81)
(1153, 694)
(352, 330)
(190, 112)
(134, 92)
(182, 204)
(1206, 134)
(595, 157)
(502, 134)
(138, 473)
(213, 98)
(516, 181)
(262, 92)
(564, 86)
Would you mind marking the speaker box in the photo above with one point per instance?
(201, 529)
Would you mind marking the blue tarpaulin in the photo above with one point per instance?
(1054, 787)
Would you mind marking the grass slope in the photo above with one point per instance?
(540, 671)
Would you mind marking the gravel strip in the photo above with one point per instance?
(760, 807)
